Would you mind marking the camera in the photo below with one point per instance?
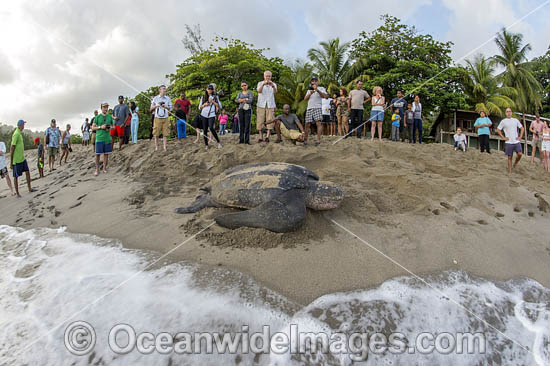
(107, 127)
(161, 104)
(311, 86)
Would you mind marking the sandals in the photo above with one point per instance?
(267, 139)
(260, 141)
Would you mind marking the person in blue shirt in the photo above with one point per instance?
(400, 103)
(482, 125)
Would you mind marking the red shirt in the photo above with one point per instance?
(184, 104)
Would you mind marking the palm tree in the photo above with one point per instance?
(330, 62)
(517, 73)
(293, 87)
(482, 88)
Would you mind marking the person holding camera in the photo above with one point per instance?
(245, 99)
(161, 106)
(103, 143)
(314, 112)
(266, 105)
(209, 105)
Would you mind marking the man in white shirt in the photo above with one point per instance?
(266, 106)
(314, 113)
(512, 142)
(460, 140)
(3, 169)
(161, 105)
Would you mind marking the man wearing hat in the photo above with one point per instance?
(52, 138)
(18, 161)
(120, 113)
(103, 143)
(314, 112)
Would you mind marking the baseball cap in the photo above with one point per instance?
(104, 103)
(37, 140)
(53, 120)
(121, 96)
(21, 123)
(314, 78)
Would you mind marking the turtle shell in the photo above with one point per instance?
(250, 185)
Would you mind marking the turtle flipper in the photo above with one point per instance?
(202, 201)
(285, 213)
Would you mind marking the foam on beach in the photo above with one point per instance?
(50, 278)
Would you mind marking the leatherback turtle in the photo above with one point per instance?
(275, 196)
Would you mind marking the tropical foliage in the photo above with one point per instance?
(395, 56)
(517, 73)
(482, 88)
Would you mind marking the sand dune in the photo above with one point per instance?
(426, 206)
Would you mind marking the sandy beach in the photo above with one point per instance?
(427, 207)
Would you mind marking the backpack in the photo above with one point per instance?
(48, 136)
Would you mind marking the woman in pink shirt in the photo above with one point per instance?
(223, 117)
(536, 128)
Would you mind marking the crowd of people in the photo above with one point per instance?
(338, 115)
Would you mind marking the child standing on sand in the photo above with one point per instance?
(40, 158)
(395, 122)
(460, 140)
(223, 117)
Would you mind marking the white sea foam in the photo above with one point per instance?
(50, 278)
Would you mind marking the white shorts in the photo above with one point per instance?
(546, 145)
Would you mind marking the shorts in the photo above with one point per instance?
(65, 146)
(545, 145)
(289, 134)
(537, 143)
(3, 172)
(263, 118)
(93, 139)
(53, 151)
(85, 136)
(161, 126)
(314, 115)
(102, 148)
(326, 118)
(342, 112)
(39, 164)
(376, 115)
(20, 168)
(510, 149)
(117, 131)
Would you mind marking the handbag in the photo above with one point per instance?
(48, 136)
(246, 106)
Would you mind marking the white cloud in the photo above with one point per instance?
(474, 23)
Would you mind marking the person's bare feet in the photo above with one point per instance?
(96, 173)
(104, 171)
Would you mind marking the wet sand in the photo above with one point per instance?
(427, 207)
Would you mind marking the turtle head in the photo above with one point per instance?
(324, 196)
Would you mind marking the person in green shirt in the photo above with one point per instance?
(17, 156)
(103, 143)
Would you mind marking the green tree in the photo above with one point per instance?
(293, 86)
(330, 62)
(482, 88)
(226, 66)
(541, 70)
(397, 57)
(517, 72)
